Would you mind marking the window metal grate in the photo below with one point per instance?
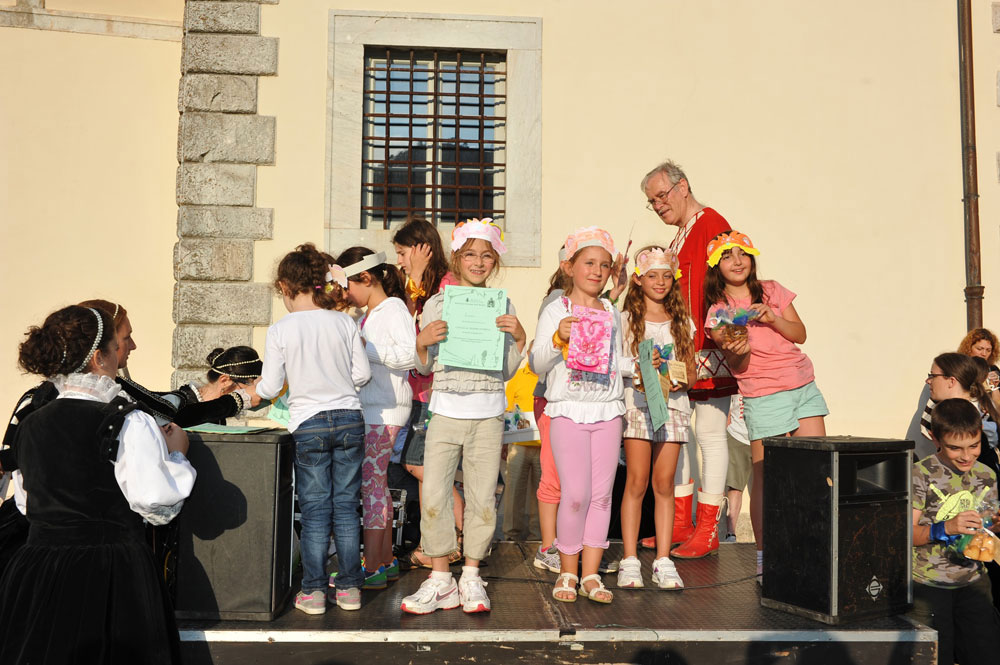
(434, 136)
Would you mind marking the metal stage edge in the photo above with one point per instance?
(716, 620)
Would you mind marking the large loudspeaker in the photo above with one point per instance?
(837, 527)
(234, 559)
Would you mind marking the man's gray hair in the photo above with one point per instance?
(671, 170)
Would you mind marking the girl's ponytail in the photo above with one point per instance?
(304, 270)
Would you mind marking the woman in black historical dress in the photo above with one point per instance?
(91, 465)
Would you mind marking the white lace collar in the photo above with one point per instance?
(87, 386)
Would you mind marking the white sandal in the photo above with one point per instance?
(606, 596)
(565, 583)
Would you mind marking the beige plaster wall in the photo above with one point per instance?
(89, 140)
(832, 141)
(987, 63)
(169, 10)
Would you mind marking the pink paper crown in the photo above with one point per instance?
(484, 229)
(589, 236)
(334, 274)
(657, 259)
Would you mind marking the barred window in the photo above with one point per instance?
(433, 136)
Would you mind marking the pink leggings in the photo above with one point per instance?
(548, 486)
(587, 459)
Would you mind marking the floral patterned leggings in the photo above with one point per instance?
(375, 500)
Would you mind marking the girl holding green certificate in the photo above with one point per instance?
(467, 406)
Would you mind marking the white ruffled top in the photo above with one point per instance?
(155, 482)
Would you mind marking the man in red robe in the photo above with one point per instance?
(669, 194)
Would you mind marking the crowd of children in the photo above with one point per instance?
(604, 384)
(357, 389)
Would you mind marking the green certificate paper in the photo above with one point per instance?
(473, 341)
(658, 412)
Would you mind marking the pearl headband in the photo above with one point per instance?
(97, 341)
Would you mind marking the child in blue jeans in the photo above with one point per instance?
(320, 354)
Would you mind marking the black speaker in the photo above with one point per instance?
(837, 527)
(235, 531)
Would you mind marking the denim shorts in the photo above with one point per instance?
(779, 413)
(413, 449)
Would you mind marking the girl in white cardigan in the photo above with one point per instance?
(390, 340)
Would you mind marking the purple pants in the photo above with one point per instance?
(586, 459)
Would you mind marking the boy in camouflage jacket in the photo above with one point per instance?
(950, 592)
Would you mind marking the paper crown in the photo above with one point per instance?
(366, 263)
(336, 274)
(589, 236)
(728, 240)
(484, 229)
(657, 259)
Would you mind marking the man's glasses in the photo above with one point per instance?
(660, 198)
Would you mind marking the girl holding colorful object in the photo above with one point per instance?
(467, 407)
(389, 339)
(654, 309)
(319, 353)
(775, 378)
(586, 409)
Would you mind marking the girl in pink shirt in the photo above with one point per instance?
(775, 378)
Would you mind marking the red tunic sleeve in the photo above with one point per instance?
(694, 263)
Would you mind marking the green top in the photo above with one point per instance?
(941, 493)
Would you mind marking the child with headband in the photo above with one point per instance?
(775, 378)
(388, 336)
(654, 309)
(467, 407)
(421, 257)
(586, 408)
(320, 354)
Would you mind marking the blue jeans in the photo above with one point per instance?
(329, 449)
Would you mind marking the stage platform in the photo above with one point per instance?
(717, 619)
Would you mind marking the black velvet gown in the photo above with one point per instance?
(84, 588)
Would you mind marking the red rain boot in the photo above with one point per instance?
(683, 528)
(705, 539)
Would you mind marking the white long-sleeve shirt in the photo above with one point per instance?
(583, 397)
(390, 344)
(320, 354)
(154, 481)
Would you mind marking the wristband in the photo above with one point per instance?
(559, 344)
(939, 535)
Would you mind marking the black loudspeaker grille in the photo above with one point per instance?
(236, 528)
(837, 536)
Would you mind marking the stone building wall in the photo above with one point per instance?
(221, 142)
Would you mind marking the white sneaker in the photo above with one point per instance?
(472, 593)
(432, 595)
(630, 573)
(665, 574)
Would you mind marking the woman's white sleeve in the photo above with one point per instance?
(154, 482)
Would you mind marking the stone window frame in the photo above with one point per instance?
(520, 36)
